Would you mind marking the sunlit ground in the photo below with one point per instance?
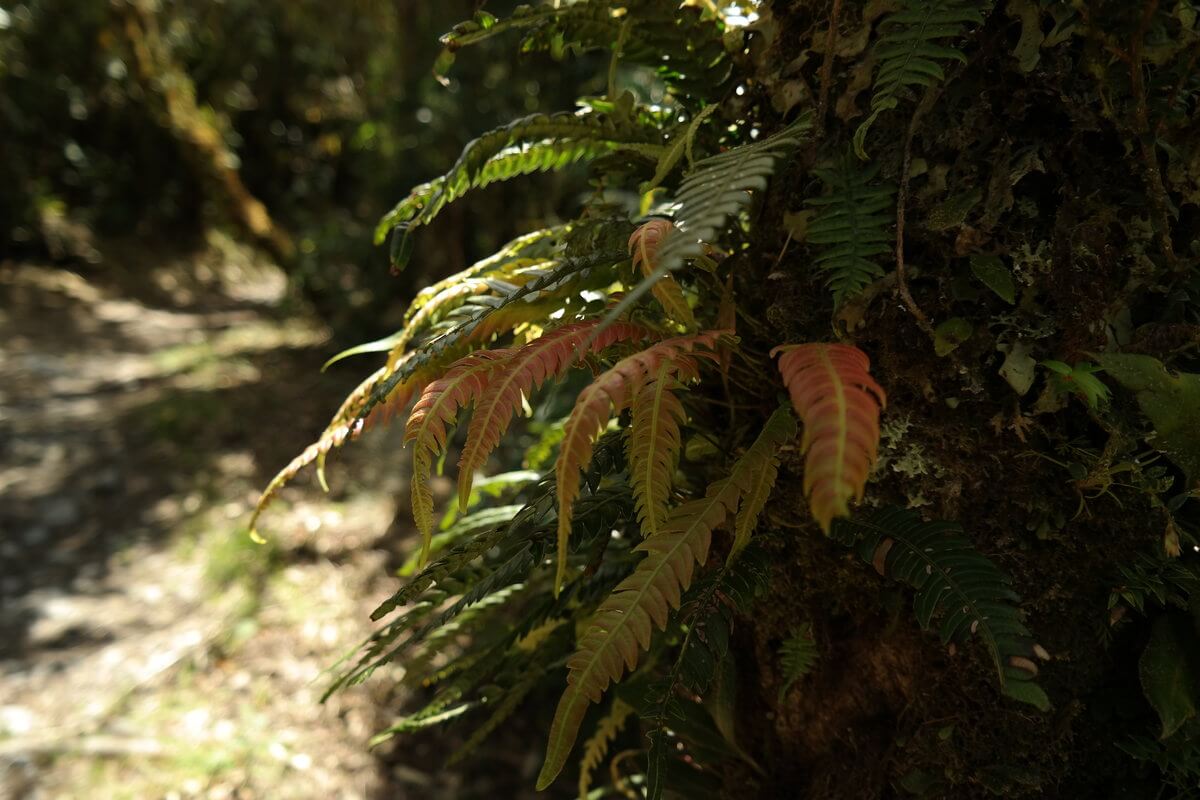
(150, 649)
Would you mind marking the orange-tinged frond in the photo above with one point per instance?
(611, 393)
(438, 406)
(839, 403)
(643, 247)
(623, 625)
(653, 446)
(546, 357)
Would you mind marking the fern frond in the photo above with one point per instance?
(716, 188)
(654, 443)
(537, 299)
(345, 424)
(596, 747)
(908, 52)
(530, 144)
(708, 612)
(683, 47)
(797, 655)
(643, 246)
(608, 394)
(547, 357)
(643, 601)
(852, 223)
(438, 406)
(955, 582)
(839, 403)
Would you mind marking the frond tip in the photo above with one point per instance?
(839, 403)
(623, 625)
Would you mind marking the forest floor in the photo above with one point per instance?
(148, 649)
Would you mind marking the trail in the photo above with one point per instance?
(147, 648)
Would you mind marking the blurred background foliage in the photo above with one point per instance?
(292, 123)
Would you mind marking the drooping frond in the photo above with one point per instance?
(797, 655)
(852, 224)
(684, 48)
(758, 491)
(596, 747)
(643, 246)
(625, 621)
(839, 403)
(716, 188)
(473, 325)
(530, 144)
(955, 583)
(611, 393)
(527, 256)
(345, 424)
(654, 443)
(909, 49)
(438, 407)
(548, 356)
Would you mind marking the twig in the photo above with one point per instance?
(901, 201)
(835, 14)
(1153, 176)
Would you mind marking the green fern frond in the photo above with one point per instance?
(643, 601)
(908, 52)
(797, 655)
(685, 49)
(535, 143)
(716, 188)
(654, 443)
(955, 582)
(852, 224)
(596, 747)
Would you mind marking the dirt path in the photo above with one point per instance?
(149, 650)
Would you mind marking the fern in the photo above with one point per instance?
(654, 443)
(535, 143)
(908, 52)
(611, 393)
(438, 406)
(683, 48)
(538, 299)
(643, 246)
(954, 582)
(797, 655)
(518, 377)
(596, 747)
(643, 601)
(716, 188)
(839, 402)
(708, 611)
(852, 222)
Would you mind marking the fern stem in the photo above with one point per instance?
(901, 201)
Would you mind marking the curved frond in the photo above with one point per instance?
(548, 356)
(908, 52)
(954, 582)
(714, 190)
(438, 407)
(839, 403)
(625, 621)
(596, 747)
(611, 393)
(654, 444)
(530, 144)
(643, 246)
